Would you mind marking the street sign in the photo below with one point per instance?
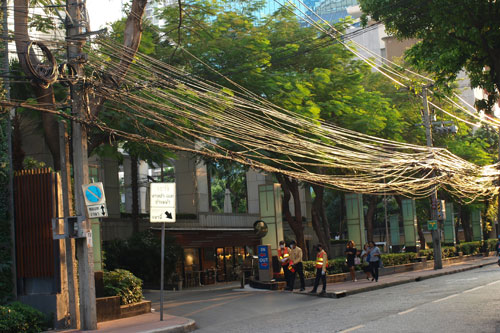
(162, 203)
(95, 200)
(432, 225)
(263, 257)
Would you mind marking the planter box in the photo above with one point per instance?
(135, 309)
(109, 308)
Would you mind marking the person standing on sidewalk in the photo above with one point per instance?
(374, 252)
(350, 253)
(296, 260)
(365, 259)
(321, 265)
(284, 257)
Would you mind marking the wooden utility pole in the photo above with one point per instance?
(436, 234)
(74, 25)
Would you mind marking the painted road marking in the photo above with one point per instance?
(444, 298)
(492, 283)
(407, 311)
(473, 289)
(352, 329)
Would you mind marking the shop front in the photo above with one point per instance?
(213, 256)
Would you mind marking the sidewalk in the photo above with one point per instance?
(343, 289)
(147, 323)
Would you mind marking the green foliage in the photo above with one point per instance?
(338, 265)
(453, 36)
(228, 175)
(121, 282)
(141, 255)
(469, 248)
(19, 317)
(446, 252)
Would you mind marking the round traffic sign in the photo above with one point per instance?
(93, 194)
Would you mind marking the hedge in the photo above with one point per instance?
(338, 265)
(19, 317)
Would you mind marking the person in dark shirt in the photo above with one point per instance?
(350, 253)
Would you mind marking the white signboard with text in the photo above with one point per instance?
(162, 202)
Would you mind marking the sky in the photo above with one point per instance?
(102, 12)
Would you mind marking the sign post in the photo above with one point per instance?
(265, 263)
(162, 210)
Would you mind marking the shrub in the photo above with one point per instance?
(469, 248)
(122, 283)
(492, 244)
(19, 317)
(446, 252)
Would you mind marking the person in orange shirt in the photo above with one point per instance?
(284, 258)
(321, 265)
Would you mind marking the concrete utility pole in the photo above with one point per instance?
(436, 234)
(74, 25)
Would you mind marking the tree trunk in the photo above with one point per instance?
(135, 192)
(290, 188)
(372, 206)
(319, 220)
(17, 145)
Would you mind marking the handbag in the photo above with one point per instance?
(380, 262)
(357, 261)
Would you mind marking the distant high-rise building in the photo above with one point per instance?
(334, 10)
(151, 9)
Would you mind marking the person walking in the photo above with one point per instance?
(284, 258)
(365, 259)
(374, 260)
(350, 253)
(296, 261)
(321, 265)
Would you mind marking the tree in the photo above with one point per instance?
(44, 91)
(452, 36)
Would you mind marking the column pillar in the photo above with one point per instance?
(410, 224)
(449, 225)
(477, 225)
(395, 238)
(271, 214)
(355, 219)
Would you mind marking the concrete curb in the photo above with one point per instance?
(183, 328)
(344, 293)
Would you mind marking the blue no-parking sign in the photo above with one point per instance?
(95, 200)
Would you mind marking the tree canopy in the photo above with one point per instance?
(453, 35)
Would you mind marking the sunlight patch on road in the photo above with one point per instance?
(407, 311)
(352, 329)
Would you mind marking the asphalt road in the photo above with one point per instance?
(463, 302)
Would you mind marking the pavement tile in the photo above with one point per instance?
(147, 323)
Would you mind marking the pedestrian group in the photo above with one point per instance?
(291, 262)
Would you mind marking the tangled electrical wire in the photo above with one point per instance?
(211, 120)
(165, 106)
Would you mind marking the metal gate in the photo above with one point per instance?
(35, 205)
